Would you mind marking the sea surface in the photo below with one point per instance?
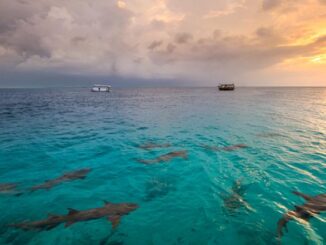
(247, 150)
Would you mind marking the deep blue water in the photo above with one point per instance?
(47, 132)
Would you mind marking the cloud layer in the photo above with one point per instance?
(254, 42)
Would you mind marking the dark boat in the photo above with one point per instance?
(226, 87)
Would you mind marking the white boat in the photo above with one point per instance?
(101, 88)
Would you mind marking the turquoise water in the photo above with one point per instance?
(45, 133)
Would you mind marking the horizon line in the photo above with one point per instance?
(126, 87)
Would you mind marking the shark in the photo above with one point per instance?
(9, 188)
(74, 175)
(165, 157)
(234, 147)
(235, 200)
(313, 206)
(158, 187)
(149, 146)
(226, 148)
(269, 135)
(113, 212)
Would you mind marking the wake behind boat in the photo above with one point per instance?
(101, 88)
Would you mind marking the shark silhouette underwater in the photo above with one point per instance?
(165, 157)
(9, 188)
(151, 145)
(226, 148)
(313, 206)
(235, 200)
(269, 135)
(70, 176)
(113, 211)
(158, 187)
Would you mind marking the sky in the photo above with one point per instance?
(162, 42)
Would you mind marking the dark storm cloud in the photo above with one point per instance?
(239, 52)
(264, 32)
(271, 4)
(182, 37)
(158, 24)
(49, 28)
(286, 6)
(155, 44)
(170, 48)
(269, 36)
(76, 40)
(25, 44)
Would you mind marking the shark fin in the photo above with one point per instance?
(304, 196)
(69, 223)
(115, 220)
(106, 202)
(72, 211)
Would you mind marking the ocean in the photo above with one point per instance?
(203, 166)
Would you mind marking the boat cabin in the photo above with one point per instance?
(101, 88)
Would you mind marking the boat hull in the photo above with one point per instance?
(226, 87)
(101, 89)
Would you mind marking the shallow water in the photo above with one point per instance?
(47, 132)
